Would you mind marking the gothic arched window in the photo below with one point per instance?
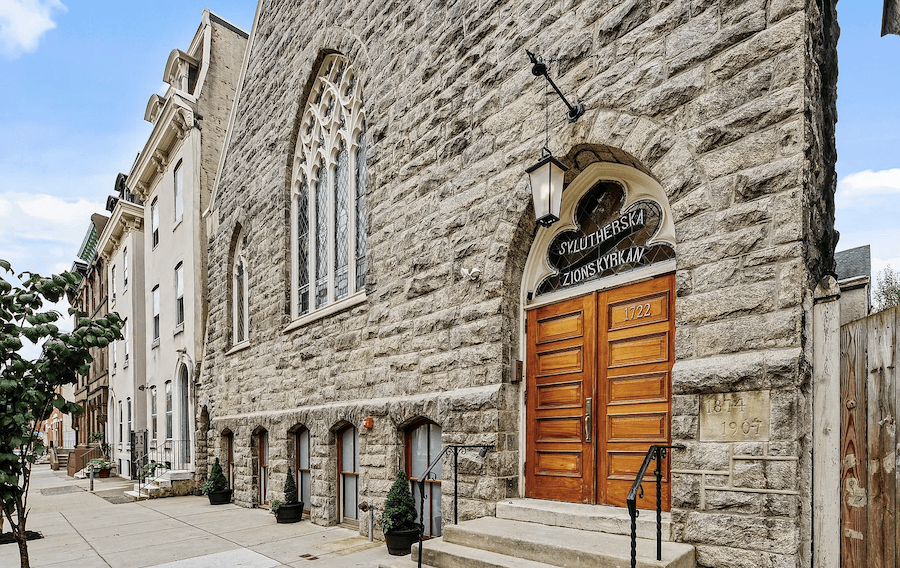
(240, 301)
(328, 189)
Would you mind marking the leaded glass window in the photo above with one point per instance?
(361, 211)
(302, 204)
(240, 299)
(328, 211)
(322, 237)
(341, 223)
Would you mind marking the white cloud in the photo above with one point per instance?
(23, 22)
(868, 183)
(42, 232)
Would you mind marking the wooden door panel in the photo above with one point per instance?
(634, 374)
(630, 389)
(570, 360)
(559, 429)
(650, 427)
(638, 350)
(633, 312)
(560, 461)
(559, 327)
(559, 395)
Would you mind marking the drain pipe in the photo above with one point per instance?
(365, 507)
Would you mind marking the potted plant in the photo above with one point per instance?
(101, 466)
(216, 487)
(399, 518)
(290, 510)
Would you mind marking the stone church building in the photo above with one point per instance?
(379, 286)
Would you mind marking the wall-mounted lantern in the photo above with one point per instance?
(547, 188)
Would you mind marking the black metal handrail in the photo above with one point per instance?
(457, 449)
(654, 453)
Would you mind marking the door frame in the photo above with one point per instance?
(638, 185)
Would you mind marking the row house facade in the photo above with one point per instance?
(155, 250)
(379, 287)
(91, 298)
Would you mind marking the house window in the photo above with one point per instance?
(179, 193)
(128, 405)
(423, 444)
(348, 468)
(153, 413)
(112, 280)
(125, 268)
(263, 473)
(125, 335)
(328, 192)
(301, 467)
(121, 422)
(154, 219)
(168, 410)
(241, 321)
(179, 294)
(156, 313)
(115, 358)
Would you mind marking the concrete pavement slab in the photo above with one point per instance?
(158, 538)
(255, 536)
(154, 555)
(84, 531)
(240, 558)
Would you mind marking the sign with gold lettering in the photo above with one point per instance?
(606, 241)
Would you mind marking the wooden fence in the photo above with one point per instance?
(870, 399)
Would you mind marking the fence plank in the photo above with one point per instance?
(882, 487)
(896, 378)
(853, 444)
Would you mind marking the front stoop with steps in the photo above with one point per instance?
(169, 484)
(528, 533)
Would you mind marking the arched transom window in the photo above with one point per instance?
(328, 193)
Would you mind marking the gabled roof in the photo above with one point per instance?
(852, 263)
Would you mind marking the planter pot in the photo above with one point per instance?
(399, 543)
(103, 472)
(289, 513)
(219, 497)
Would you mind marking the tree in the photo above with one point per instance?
(887, 289)
(29, 390)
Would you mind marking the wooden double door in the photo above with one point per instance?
(599, 393)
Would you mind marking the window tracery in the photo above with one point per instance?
(328, 192)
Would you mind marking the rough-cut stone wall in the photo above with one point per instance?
(728, 103)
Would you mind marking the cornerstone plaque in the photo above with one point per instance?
(735, 416)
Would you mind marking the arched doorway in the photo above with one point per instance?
(598, 294)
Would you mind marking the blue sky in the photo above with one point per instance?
(77, 75)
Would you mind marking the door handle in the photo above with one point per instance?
(587, 419)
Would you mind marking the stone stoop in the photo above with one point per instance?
(169, 484)
(599, 518)
(545, 534)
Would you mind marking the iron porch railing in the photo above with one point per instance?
(654, 453)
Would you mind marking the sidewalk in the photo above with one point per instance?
(83, 529)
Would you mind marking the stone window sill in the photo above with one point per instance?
(239, 347)
(155, 343)
(179, 329)
(346, 303)
(178, 223)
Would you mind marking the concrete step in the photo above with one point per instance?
(441, 554)
(548, 545)
(137, 496)
(611, 520)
